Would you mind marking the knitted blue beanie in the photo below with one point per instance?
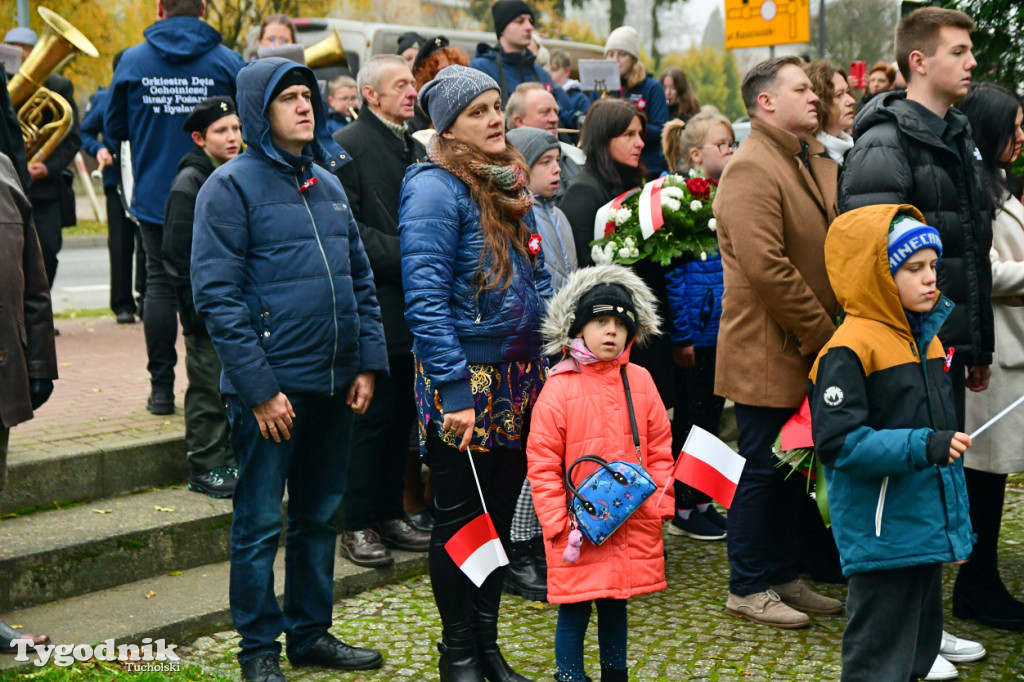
(451, 91)
(908, 236)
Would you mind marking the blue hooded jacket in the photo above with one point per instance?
(453, 323)
(278, 271)
(523, 68)
(92, 128)
(154, 88)
(695, 290)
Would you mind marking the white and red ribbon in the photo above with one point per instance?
(651, 217)
(603, 225)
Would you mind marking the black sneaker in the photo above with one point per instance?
(263, 668)
(218, 482)
(160, 402)
(125, 317)
(696, 527)
(715, 517)
(330, 652)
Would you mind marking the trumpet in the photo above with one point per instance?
(45, 116)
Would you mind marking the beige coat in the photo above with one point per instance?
(1000, 449)
(778, 309)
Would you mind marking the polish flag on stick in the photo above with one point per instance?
(709, 465)
(476, 548)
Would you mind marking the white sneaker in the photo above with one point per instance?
(942, 670)
(960, 650)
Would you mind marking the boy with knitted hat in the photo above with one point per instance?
(884, 425)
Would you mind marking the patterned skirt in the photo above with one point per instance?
(503, 395)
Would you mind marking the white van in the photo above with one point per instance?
(363, 40)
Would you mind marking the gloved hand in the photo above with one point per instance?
(39, 391)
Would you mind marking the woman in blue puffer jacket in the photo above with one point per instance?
(703, 144)
(475, 286)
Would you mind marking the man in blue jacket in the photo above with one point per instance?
(280, 276)
(510, 62)
(154, 88)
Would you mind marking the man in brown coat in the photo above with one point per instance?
(28, 360)
(775, 202)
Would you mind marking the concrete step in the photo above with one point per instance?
(68, 552)
(89, 473)
(178, 608)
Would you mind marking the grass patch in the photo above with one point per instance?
(96, 671)
(86, 227)
(83, 312)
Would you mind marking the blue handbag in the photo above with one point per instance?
(607, 497)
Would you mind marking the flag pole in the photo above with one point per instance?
(476, 478)
(996, 418)
(672, 477)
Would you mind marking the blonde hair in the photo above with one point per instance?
(678, 138)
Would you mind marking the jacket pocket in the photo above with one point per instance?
(880, 509)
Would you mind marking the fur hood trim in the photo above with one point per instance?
(562, 307)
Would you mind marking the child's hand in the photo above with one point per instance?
(957, 446)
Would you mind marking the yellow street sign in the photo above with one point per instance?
(755, 23)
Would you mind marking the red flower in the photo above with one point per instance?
(714, 183)
(534, 244)
(700, 188)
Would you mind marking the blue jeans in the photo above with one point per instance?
(312, 465)
(572, 629)
(760, 542)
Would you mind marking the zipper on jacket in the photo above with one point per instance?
(330, 278)
(880, 507)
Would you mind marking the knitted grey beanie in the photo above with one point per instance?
(532, 142)
(451, 91)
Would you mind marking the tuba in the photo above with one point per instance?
(327, 52)
(44, 115)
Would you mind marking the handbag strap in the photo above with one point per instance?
(632, 417)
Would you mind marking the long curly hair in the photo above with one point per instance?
(500, 230)
(437, 60)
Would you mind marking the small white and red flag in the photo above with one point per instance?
(476, 549)
(709, 465)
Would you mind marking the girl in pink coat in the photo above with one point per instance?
(594, 319)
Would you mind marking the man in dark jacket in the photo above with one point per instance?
(28, 359)
(50, 187)
(217, 132)
(281, 279)
(381, 149)
(179, 64)
(511, 62)
(914, 148)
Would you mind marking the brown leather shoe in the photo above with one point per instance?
(401, 534)
(7, 634)
(364, 548)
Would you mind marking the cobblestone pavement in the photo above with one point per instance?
(682, 633)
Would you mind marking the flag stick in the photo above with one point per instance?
(672, 477)
(996, 418)
(477, 479)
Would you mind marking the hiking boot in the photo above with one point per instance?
(696, 527)
(218, 482)
(802, 598)
(941, 670)
(765, 608)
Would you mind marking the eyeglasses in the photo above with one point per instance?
(725, 147)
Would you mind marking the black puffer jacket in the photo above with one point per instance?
(373, 181)
(193, 170)
(898, 159)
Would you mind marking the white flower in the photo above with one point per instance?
(671, 191)
(670, 203)
(628, 242)
(598, 254)
(713, 225)
(703, 255)
(622, 215)
(695, 205)
(635, 253)
(624, 252)
(610, 216)
(694, 173)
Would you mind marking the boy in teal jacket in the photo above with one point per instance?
(884, 425)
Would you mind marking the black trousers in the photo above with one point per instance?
(696, 403)
(121, 237)
(457, 502)
(46, 216)
(160, 316)
(206, 421)
(979, 578)
(895, 625)
(380, 445)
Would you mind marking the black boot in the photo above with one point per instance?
(459, 661)
(540, 560)
(979, 593)
(485, 627)
(521, 577)
(613, 674)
